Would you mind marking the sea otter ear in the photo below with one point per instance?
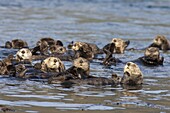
(127, 43)
(59, 42)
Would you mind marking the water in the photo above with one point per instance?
(96, 21)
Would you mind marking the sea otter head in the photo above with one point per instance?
(24, 54)
(77, 45)
(120, 45)
(52, 64)
(82, 63)
(160, 40)
(57, 49)
(132, 74)
(152, 53)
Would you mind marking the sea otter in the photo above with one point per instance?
(151, 57)
(16, 44)
(79, 70)
(57, 49)
(117, 46)
(97, 81)
(45, 45)
(52, 64)
(132, 75)
(24, 54)
(161, 42)
(83, 49)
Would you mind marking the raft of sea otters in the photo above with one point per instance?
(52, 52)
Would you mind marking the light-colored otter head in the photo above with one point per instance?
(83, 49)
(24, 54)
(159, 40)
(120, 45)
(57, 49)
(52, 64)
(77, 45)
(82, 63)
(132, 74)
(152, 53)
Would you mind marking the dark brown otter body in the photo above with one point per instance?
(46, 44)
(98, 81)
(16, 44)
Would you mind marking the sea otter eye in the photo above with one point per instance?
(55, 60)
(61, 49)
(128, 64)
(23, 52)
(156, 39)
(114, 40)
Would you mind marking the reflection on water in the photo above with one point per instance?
(95, 21)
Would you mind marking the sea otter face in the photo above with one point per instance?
(159, 40)
(57, 49)
(77, 45)
(53, 64)
(82, 63)
(132, 74)
(120, 45)
(152, 53)
(24, 54)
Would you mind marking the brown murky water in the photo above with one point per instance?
(95, 21)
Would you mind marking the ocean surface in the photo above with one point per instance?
(94, 21)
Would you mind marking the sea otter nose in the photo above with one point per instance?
(22, 52)
(81, 61)
(55, 60)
